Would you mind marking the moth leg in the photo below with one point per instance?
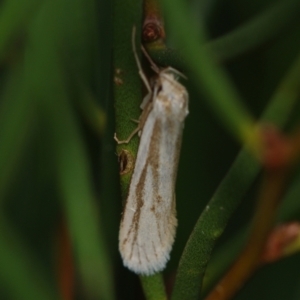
(136, 130)
(147, 98)
(154, 67)
(145, 80)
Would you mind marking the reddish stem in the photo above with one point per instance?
(65, 264)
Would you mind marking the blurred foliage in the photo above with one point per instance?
(58, 162)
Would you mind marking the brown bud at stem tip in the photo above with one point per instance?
(152, 32)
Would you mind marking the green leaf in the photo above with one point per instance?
(16, 120)
(261, 29)
(14, 16)
(19, 271)
(47, 81)
(227, 197)
(221, 94)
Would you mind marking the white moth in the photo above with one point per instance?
(148, 224)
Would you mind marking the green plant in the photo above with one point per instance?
(69, 81)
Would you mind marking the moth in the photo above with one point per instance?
(148, 224)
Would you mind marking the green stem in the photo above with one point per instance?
(211, 225)
(154, 287)
(274, 183)
(127, 82)
(127, 99)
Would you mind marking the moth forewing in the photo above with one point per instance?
(148, 224)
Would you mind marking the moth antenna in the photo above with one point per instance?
(154, 66)
(141, 72)
(157, 70)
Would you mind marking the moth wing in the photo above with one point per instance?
(147, 230)
(149, 221)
